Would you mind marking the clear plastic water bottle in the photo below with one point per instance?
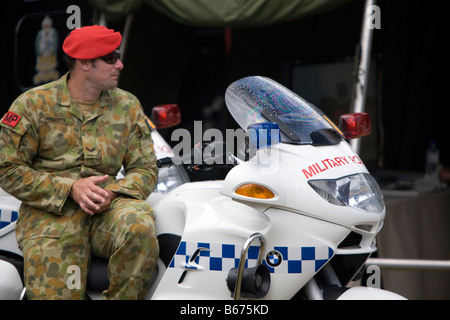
(431, 159)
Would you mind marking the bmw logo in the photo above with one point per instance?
(274, 258)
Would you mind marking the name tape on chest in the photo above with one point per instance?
(11, 119)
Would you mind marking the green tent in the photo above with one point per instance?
(222, 13)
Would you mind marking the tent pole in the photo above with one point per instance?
(362, 74)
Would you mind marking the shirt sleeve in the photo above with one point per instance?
(18, 146)
(139, 164)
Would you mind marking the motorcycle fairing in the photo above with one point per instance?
(9, 212)
(214, 230)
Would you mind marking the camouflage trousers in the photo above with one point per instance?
(125, 234)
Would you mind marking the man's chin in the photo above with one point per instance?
(112, 85)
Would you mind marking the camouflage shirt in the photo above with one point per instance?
(47, 143)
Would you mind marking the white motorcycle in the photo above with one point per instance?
(295, 218)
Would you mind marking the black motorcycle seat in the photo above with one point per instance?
(97, 279)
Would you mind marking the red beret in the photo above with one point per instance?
(91, 42)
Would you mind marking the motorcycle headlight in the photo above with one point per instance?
(359, 191)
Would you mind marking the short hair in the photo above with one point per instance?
(70, 62)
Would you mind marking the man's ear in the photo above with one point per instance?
(85, 65)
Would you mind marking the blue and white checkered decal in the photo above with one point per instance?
(223, 257)
(7, 217)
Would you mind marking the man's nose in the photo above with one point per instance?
(119, 64)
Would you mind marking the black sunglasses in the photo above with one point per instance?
(112, 57)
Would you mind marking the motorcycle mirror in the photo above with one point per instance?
(355, 125)
(166, 115)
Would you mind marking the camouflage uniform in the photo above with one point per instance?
(46, 144)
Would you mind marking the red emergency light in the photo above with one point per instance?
(166, 115)
(355, 125)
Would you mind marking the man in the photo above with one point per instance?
(61, 147)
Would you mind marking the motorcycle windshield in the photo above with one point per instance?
(258, 99)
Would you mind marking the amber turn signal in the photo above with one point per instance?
(255, 191)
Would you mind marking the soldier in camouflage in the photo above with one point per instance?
(61, 147)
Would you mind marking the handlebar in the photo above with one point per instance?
(164, 162)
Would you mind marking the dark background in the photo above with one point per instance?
(166, 62)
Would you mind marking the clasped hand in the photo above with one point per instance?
(91, 198)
